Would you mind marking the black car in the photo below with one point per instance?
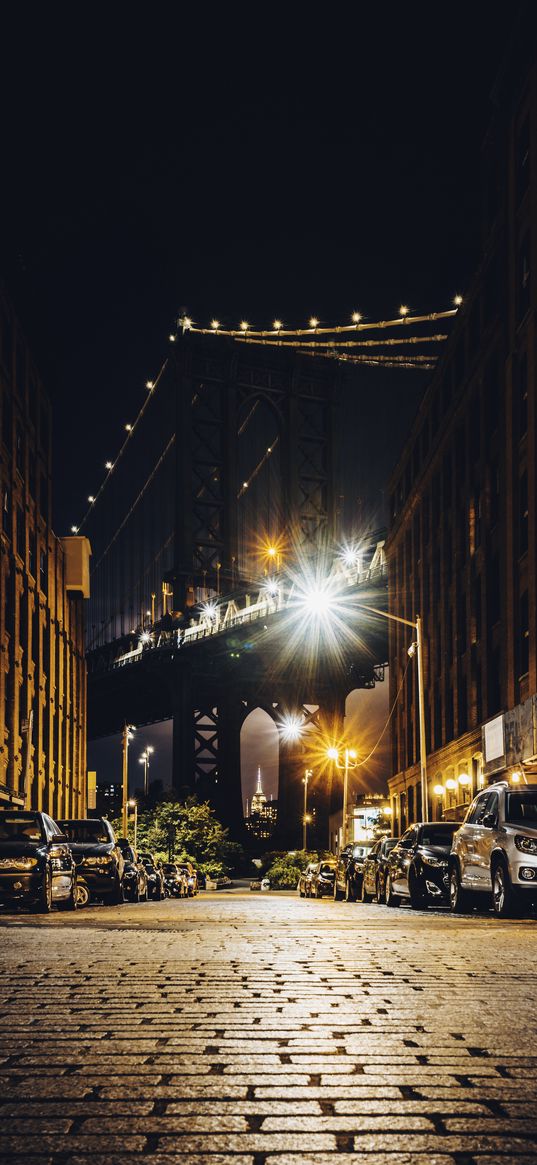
(155, 876)
(36, 863)
(349, 871)
(322, 880)
(99, 860)
(175, 881)
(418, 865)
(375, 866)
(304, 881)
(135, 880)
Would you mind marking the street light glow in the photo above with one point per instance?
(291, 727)
(332, 753)
(439, 790)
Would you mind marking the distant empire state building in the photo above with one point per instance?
(260, 818)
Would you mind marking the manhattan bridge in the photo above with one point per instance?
(218, 584)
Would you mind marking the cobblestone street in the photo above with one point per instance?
(261, 1027)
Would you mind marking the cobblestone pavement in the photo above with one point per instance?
(243, 1028)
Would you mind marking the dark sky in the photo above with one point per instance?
(262, 162)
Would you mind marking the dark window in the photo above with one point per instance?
(476, 609)
(6, 511)
(43, 496)
(19, 448)
(523, 278)
(31, 552)
(493, 589)
(7, 422)
(523, 158)
(523, 513)
(524, 634)
(521, 396)
(43, 571)
(21, 533)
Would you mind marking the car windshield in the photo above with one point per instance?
(521, 807)
(20, 827)
(361, 851)
(85, 832)
(389, 844)
(327, 868)
(439, 835)
(169, 869)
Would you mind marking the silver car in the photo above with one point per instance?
(495, 850)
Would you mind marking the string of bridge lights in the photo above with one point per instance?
(281, 336)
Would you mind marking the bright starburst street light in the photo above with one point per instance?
(291, 727)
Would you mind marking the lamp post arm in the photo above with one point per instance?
(387, 615)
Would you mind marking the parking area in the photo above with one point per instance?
(253, 1027)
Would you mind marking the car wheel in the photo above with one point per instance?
(381, 897)
(365, 896)
(43, 904)
(418, 896)
(459, 898)
(118, 894)
(349, 892)
(82, 894)
(391, 898)
(71, 902)
(503, 898)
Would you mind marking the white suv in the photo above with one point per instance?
(495, 850)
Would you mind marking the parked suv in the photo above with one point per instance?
(36, 863)
(495, 850)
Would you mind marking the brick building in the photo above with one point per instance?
(43, 583)
(462, 545)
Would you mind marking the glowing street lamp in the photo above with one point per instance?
(350, 761)
(144, 760)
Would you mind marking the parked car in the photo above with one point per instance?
(135, 883)
(349, 871)
(495, 850)
(175, 881)
(98, 857)
(375, 866)
(155, 876)
(304, 880)
(191, 878)
(418, 865)
(322, 880)
(37, 867)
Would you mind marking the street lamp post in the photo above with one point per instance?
(350, 762)
(133, 805)
(308, 773)
(126, 736)
(144, 760)
(416, 648)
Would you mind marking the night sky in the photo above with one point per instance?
(255, 164)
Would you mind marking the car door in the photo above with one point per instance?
(370, 869)
(400, 860)
(484, 838)
(470, 842)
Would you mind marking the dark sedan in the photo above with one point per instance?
(349, 871)
(97, 855)
(418, 865)
(375, 866)
(36, 863)
(135, 880)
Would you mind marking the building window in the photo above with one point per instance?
(523, 278)
(21, 534)
(524, 634)
(43, 497)
(521, 396)
(43, 571)
(523, 513)
(31, 552)
(6, 511)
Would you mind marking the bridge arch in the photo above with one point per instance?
(259, 748)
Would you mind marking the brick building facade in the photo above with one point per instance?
(43, 582)
(462, 547)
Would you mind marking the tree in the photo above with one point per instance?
(188, 831)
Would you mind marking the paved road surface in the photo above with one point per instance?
(241, 1027)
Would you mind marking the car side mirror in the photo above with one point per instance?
(489, 820)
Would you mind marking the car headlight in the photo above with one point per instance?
(96, 861)
(18, 863)
(527, 845)
(432, 861)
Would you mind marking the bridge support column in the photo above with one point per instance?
(183, 731)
